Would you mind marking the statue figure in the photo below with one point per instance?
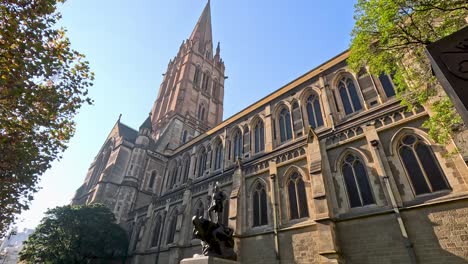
(216, 239)
(217, 201)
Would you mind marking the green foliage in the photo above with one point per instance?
(76, 234)
(390, 36)
(43, 83)
(443, 121)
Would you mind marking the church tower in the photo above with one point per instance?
(190, 98)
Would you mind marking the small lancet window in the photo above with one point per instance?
(196, 77)
(156, 232)
(172, 229)
(387, 85)
(186, 169)
(152, 179)
(184, 136)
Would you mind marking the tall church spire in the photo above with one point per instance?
(202, 34)
(190, 98)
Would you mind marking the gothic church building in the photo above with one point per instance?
(329, 168)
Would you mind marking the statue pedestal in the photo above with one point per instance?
(207, 260)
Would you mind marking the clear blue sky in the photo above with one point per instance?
(264, 43)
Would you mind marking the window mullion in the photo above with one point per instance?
(422, 168)
(259, 207)
(357, 184)
(350, 98)
(299, 213)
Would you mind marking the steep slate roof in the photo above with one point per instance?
(127, 132)
(147, 123)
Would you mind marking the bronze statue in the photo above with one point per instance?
(217, 201)
(216, 239)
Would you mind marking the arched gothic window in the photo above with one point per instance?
(421, 166)
(387, 85)
(218, 155)
(349, 95)
(201, 163)
(297, 197)
(172, 228)
(174, 176)
(314, 111)
(152, 179)
(215, 89)
(186, 169)
(260, 215)
(237, 141)
(138, 234)
(196, 77)
(224, 217)
(356, 181)
(171, 177)
(156, 232)
(259, 133)
(206, 81)
(201, 112)
(285, 125)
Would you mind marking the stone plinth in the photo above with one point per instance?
(207, 260)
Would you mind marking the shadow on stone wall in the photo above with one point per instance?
(439, 234)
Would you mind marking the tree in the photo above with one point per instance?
(390, 36)
(43, 83)
(76, 234)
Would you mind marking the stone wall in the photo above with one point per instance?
(438, 234)
(299, 246)
(259, 249)
(374, 239)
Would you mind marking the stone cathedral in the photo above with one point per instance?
(326, 169)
